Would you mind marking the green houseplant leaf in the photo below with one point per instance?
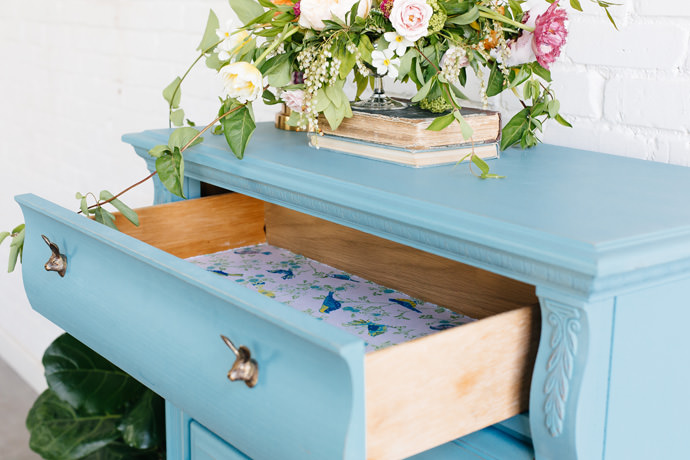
(59, 432)
(85, 380)
(170, 167)
(141, 427)
(106, 414)
(246, 10)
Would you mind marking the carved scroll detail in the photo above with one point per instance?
(565, 325)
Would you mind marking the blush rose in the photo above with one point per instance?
(410, 18)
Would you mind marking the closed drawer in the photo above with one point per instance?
(319, 395)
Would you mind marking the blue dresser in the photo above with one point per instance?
(576, 265)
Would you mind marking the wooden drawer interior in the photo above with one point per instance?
(421, 393)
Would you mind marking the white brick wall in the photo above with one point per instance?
(77, 74)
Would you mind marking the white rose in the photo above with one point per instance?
(242, 81)
(339, 8)
(313, 13)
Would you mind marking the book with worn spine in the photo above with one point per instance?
(407, 157)
(406, 128)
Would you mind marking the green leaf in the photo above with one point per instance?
(238, 128)
(465, 127)
(87, 381)
(576, 5)
(277, 70)
(84, 206)
(103, 216)
(181, 137)
(125, 210)
(540, 71)
(170, 169)
(513, 131)
(336, 94)
(177, 117)
(141, 427)
(495, 84)
(322, 100)
(348, 61)
(334, 115)
(442, 122)
(159, 150)
(119, 451)
(246, 10)
(213, 62)
(3, 235)
(365, 48)
(210, 38)
(553, 107)
(464, 19)
(173, 93)
(406, 63)
(563, 121)
(58, 432)
(16, 247)
(423, 91)
(481, 164)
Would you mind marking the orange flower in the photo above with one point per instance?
(283, 2)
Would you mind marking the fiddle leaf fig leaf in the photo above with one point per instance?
(85, 380)
(238, 128)
(173, 93)
(182, 136)
(58, 431)
(141, 427)
(125, 210)
(170, 169)
(210, 38)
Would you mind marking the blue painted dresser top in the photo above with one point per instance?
(586, 222)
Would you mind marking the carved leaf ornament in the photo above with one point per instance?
(565, 324)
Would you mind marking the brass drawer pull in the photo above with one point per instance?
(245, 368)
(57, 261)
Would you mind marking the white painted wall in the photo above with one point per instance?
(77, 74)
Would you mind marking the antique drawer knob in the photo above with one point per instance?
(245, 368)
(57, 261)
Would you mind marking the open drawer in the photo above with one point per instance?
(319, 394)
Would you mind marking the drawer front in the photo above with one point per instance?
(160, 319)
(205, 445)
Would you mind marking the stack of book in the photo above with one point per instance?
(400, 136)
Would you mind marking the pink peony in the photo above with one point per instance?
(294, 99)
(410, 18)
(550, 34)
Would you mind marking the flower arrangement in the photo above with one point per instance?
(302, 53)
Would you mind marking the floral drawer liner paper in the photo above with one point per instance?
(380, 316)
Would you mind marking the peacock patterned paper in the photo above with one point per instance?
(380, 316)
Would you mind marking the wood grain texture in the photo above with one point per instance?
(412, 133)
(425, 392)
(459, 287)
(201, 226)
